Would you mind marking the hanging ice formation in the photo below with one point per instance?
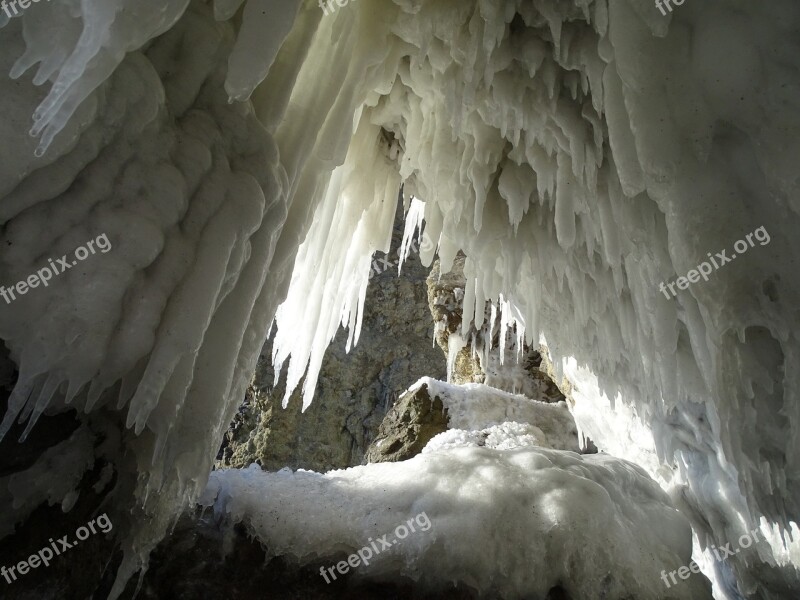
(579, 153)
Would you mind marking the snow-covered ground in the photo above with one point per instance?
(510, 515)
(510, 523)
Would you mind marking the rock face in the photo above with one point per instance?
(411, 423)
(445, 298)
(354, 391)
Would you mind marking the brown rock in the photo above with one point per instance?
(411, 423)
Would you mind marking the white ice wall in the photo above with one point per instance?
(579, 153)
(204, 203)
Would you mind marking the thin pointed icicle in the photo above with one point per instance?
(455, 343)
(414, 220)
(46, 393)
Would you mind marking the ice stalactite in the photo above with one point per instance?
(205, 203)
(579, 153)
(331, 272)
(85, 52)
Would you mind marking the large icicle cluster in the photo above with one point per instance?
(204, 202)
(330, 276)
(579, 153)
(582, 153)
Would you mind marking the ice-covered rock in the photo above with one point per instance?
(355, 389)
(415, 419)
(479, 354)
(432, 415)
(499, 419)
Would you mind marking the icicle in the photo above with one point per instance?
(455, 343)
(414, 219)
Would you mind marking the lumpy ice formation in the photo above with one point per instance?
(245, 170)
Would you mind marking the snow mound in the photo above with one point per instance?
(513, 523)
(482, 415)
(507, 436)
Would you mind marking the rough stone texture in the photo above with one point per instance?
(549, 390)
(354, 391)
(411, 423)
(416, 418)
(548, 370)
(445, 299)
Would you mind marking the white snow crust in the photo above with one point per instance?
(478, 414)
(508, 523)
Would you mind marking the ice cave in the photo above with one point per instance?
(400, 299)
